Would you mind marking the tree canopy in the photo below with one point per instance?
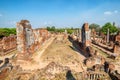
(53, 29)
(94, 26)
(112, 29)
(7, 31)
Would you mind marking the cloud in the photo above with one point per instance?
(108, 13)
(111, 12)
(1, 15)
(116, 11)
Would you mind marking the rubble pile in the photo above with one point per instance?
(51, 71)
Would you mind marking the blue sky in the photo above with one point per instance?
(60, 13)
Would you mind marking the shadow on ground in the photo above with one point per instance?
(106, 48)
(69, 75)
(76, 46)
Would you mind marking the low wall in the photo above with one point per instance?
(7, 43)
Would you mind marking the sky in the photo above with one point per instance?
(59, 13)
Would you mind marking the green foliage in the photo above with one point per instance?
(112, 29)
(60, 30)
(7, 31)
(53, 29)
(70, 31)
(95, 26)
(119, 29)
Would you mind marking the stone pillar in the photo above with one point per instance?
(79, 34)
(117, 44)
(20, 38)
(108, 36)
(93, 33)
(85, 35)
(25, 39)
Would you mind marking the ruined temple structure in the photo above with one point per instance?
(44, 33)
(85, 42)
(85, 39)
(117, 44)
(93, 34)
(25, 37)
(79, 35)
(85, 34)
(7, 44)
(29, 40)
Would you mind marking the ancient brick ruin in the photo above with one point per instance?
(117, 44)
(93, 34)
(7, 44)
(85, 35)
(94, 61)
(29, 40)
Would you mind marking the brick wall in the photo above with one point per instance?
(7, 43)
(117, 45)
(30, 40)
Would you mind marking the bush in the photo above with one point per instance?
(7, 31)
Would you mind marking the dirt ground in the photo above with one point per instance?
(62, 51)
(58, 50)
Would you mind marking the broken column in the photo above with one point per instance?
(108, 36)
(25, 37)
(117, 44)
(79, 35)
(85, 35)
(85, 39)
(93, 33)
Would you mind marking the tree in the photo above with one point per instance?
(48, 28)
(70, 31)
(7, 31)
(112, 29)
(95, 26)
(51, 28)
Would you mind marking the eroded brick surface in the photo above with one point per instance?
(117, 44)
(7, 43)
(85, 35)
(29, 40)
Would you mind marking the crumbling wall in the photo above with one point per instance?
(117, 44)
(29, 40)
(85, 35)
(44, 34)
(7, 43)
(20, 29)
(85, 39)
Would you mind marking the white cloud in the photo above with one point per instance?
(116, 11)
(111, 12)
(1, 15)
(108, 13)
